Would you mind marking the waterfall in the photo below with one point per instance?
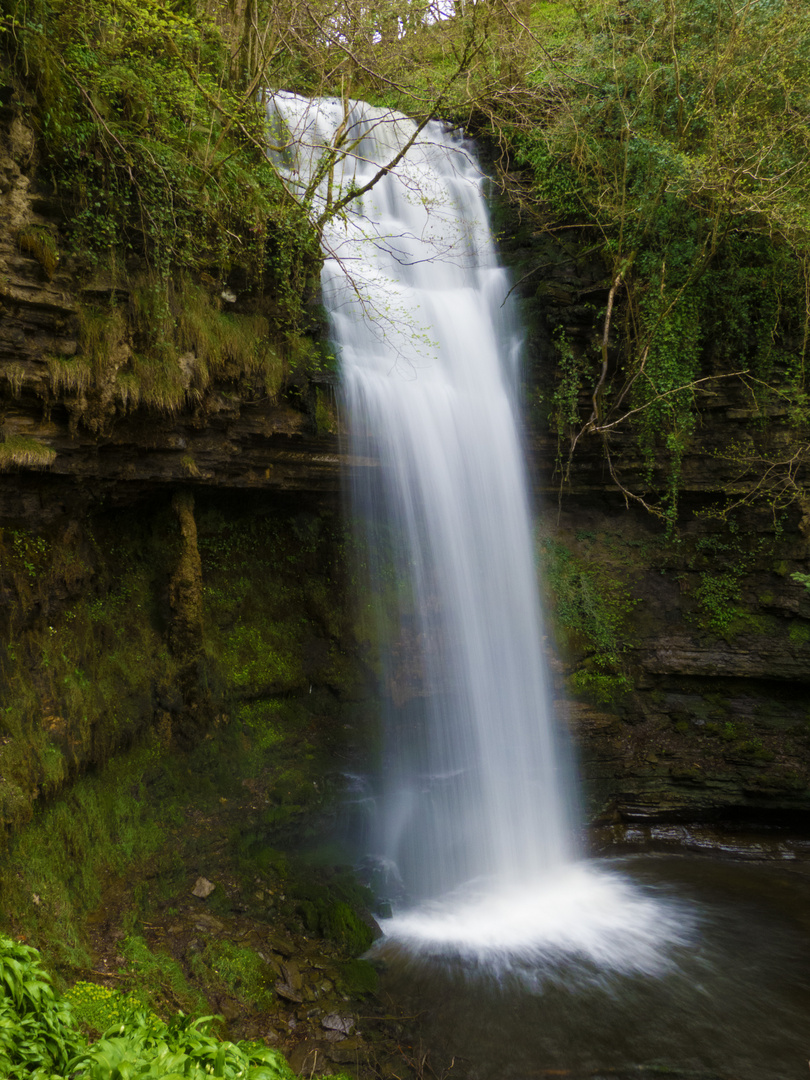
(474, 813)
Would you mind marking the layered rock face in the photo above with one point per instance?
(155, 564)
(701, 711)
(221, 441)
(707, 623)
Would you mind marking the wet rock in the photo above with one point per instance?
(209, 923)
(289, 993)
(292, 975)
(202, 888)
(347, 1051)
(280, 944)
(309, 1057)
(335, 1022)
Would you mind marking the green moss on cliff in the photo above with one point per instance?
(590, 610)
(79, 676)
(128, 627)
(199, 262)
(669, 139)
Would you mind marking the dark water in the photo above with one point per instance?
(733, 1003)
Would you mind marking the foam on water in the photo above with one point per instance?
(584, 914)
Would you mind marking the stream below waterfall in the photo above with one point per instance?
(732, 1003)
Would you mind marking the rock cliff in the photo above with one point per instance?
(699, 712)
(703, 712)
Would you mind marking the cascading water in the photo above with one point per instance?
(474, 813)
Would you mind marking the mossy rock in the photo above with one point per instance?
(346, 929)
(338, 922)
(358, 978)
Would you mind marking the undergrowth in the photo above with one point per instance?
(40, 1036)
(591, 613)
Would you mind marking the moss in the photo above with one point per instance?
(262, 657)
(754, 748)
(747, 622)
(241, 971)
(727, 731)
(590, 610)
(343, 926)
(273, 617)
(358, 978)
(40, 243)
(87, 673)
(25, 452)
(799, 633)
(101, 827)
(159, 979)
(81, 677)
(186, 601)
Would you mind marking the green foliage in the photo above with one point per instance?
(97, 1008)
(675, 138)
(719, 591)
(326, 412)
(146, 130)
(159, 978)
(135, 107)
(719, 594)
(240, 970)
(36, 1025)
(148, 1047)
(591, 612)
(38, 1036)
(571, 370)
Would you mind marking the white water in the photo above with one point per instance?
(475, 809)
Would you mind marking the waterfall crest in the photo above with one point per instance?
(474, 812)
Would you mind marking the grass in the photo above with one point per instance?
(69, 375)
(159, 980)
(39, 1034)
(238, 969)
(26, 453)
(53, 873)
(40, 243)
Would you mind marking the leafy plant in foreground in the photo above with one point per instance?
(39, 1039)
(37, 1035)
(145, 1046)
